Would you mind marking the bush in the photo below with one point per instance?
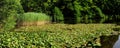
(58, 16)
(8, 13)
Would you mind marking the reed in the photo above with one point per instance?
(33, 17)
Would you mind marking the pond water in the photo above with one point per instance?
(117, 43)
(109, 41)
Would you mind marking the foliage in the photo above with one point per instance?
(49, 36)
(8, 13)
(77, 13)
(58, 16)
(109, 8)
(83, 11)
(33, 17)
(37, 6)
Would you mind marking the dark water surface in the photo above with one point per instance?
(110, 41)
(117, 43)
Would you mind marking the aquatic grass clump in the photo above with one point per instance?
(34, 17)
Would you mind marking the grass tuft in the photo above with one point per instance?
(34, 17)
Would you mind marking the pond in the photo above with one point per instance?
(110, 41)
(117, 43)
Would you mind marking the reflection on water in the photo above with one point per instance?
(117, 43)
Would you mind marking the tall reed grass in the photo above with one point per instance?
(33, 17)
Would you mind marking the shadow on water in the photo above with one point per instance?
(110, 41)
(69, 17)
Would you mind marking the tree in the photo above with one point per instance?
(9, 11)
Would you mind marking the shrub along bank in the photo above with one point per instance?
(78, 11)
(8, 13)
